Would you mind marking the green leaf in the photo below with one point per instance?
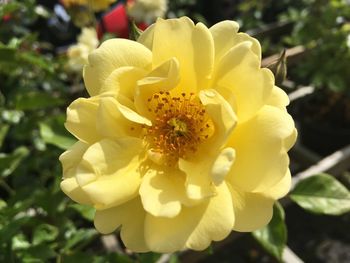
(3, 131)
(9, 162)
(39, 253)
(36, 100)
(7, 53)
(322, 194)
(85, 211)
(50, 137)
(44, 233)
(135, 32)
(12, 228)
(273, 237)
(79, 237)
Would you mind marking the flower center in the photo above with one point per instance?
(180, 125)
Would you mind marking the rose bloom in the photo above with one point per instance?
(78, 54)
(183, 139)
(97, 5)
(146, 10)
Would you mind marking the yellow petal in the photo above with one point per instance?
(192, 45)
(194, 227)
(261, 156)
(198, 180)
(131, 216)
(281, 188)
(222, 115)
(111, 123)
(217, 221)
(146, 38)
(252, 210)
(225, 37)
(110, 171)
(81, 120)
(71, 158)
(164, 77)
(202, 173)
(222, 165)
(123, 81)
(239, 70)
(278, 98)
(111, 55)
(163, 192)
(71, 188)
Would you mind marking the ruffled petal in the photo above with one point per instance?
(239, 70)
(252, 210)
(225, 37)
(192, 45)
(163, 78)
(123, 81)
(278, 98)
(71, 188)
(281, 188)
(222, 115)
(261, 155)
(163, 192)
(81, 119)
(131, 217)
(110, 172)
(194, 227)
(71, 158)
(111, 55)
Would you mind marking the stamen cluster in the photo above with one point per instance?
(180, 125)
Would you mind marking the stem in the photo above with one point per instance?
(7, 187)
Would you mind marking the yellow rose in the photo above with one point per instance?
(97, 5)
(183, 139)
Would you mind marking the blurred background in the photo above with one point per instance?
(43, 47)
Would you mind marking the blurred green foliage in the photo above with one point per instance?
(323, 27)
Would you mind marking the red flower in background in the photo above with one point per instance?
(117, 22)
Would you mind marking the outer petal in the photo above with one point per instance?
(281, 188)
(71, 188)
(163, 193)
(252, 210)
(110, 173)
(70, 160)
(192, 45)
(278, 98)
(261, 153)
(81, 119)
(113, 54)
(131, 217)
(194, 227)
(239, 70)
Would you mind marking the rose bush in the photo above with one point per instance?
(183, 139)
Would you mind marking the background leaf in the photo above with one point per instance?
(322, 194)
(9, 162)
(273, 237)
(50, 137)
